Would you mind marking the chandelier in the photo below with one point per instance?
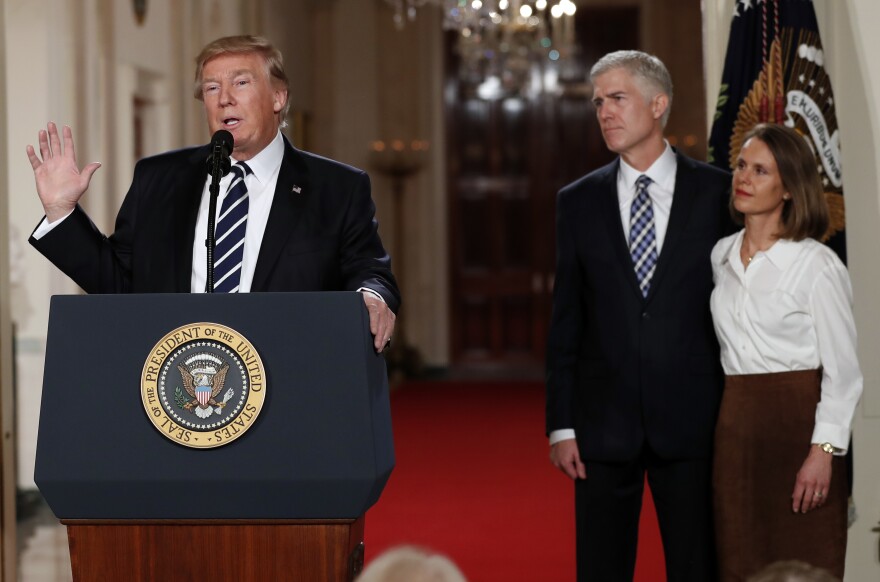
(508, 46)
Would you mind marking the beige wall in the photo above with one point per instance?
(7, 450)
(856, 74)
(295, 38)
(373, 82)
(409, 82)
(41, 93)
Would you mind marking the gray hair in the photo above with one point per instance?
(411, 564)
(793, 571)
(647, 69)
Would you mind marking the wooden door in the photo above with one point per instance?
(507, 158)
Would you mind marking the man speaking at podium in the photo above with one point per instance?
(286, 220)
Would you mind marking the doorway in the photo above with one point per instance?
(508, 155)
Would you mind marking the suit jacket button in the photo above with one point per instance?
(645, 315)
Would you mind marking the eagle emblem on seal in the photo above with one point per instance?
(203, 377)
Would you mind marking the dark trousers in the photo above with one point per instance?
(607, 507)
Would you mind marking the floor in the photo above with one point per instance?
(43, 555)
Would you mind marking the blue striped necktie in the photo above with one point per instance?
(642, 236)
(229, 233)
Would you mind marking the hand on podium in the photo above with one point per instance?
(381, 321)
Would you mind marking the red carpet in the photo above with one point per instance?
(473, 481)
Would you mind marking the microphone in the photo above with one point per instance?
(221, 147)
(219, 165)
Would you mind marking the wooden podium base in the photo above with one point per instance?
(215, 550)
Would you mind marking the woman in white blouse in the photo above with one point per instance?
(783, 316)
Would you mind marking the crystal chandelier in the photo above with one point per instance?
(508, 46)
(405, 10)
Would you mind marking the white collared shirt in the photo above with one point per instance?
(662, 174)
(791, 309)
(265, 167)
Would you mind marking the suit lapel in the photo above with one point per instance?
(612, 219)
(288, 209)
(682, 201)
(185, 198)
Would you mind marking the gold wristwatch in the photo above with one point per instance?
(829, 448)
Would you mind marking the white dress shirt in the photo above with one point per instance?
(261, 191)
(791, 309)
(660, 190)
(662, 174)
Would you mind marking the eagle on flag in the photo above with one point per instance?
(775, 72)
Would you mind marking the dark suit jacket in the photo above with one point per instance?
(321, 234)
(623, 370)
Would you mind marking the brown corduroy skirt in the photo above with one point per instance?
(761, 440)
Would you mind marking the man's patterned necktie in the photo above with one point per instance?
(642, 236)
(230, 231)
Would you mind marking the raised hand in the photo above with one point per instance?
(60, 182)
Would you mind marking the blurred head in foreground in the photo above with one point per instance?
(793, 571)
(410, 564)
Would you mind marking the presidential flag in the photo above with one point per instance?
(775, 72)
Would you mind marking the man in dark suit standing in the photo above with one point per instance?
(293, 221)
(633, 374)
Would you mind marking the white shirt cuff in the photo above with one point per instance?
(563, 434)
(371, 292)
(828, 433)
(45, 227)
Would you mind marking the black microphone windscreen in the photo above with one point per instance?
(223, 138)
(222, 143)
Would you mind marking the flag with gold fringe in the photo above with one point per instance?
(775, 72)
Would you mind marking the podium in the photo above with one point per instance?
(284, 500)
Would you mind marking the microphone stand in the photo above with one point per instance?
(214, 192)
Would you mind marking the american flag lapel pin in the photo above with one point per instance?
(296, 190)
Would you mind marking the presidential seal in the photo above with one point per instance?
(203, 385)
